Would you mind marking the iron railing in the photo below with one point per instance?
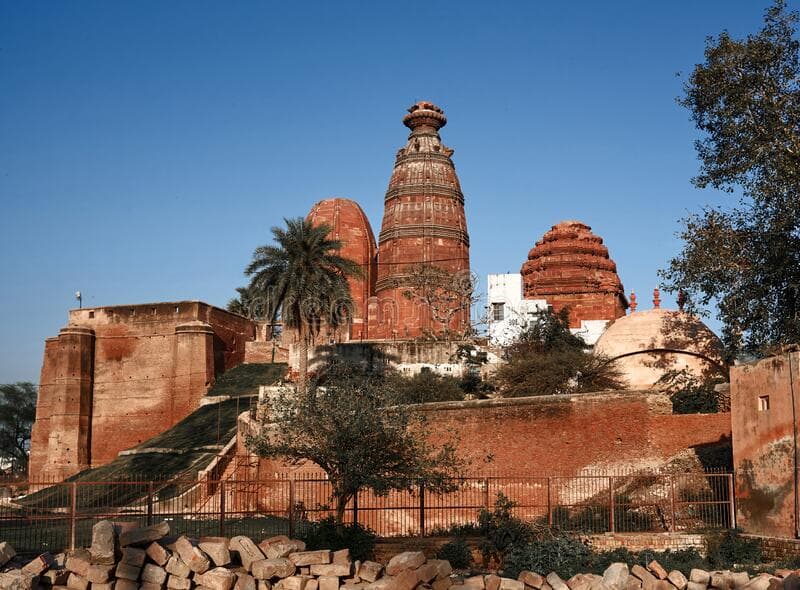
(47, 515)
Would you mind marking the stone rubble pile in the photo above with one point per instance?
(149, 559)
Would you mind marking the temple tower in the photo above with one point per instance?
(423, 223)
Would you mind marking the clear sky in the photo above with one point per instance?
(147, 147)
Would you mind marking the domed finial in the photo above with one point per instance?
(633, 303)
(656, 298)
(425, 115)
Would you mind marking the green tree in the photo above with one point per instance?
(745, 256)
(548, 359)
(346, 429)
(17, 413)
(304, 279)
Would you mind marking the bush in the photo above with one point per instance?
(501, 530)
(324, 534)
(457, 552)
(683, 560)
(561, 554)
(424, 387)
(729, 548)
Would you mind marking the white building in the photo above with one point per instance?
(510, 313)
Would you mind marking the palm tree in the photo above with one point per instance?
(304, 278)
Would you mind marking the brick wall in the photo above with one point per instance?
(775, 549)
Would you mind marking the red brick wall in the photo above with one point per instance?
(565, 434)
(150, 365)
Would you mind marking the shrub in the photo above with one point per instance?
(683, 560)
(457, 552)
(324, 534)
(562, 554)
(729, 548)
(424, 387)
(501, 530)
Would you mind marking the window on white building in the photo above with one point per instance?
(498, 311)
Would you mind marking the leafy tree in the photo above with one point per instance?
(248, 304)
(547, 359)
(745, 257)
(17, 413)
(692, 394)
(444, 294)
(304, 278)
(424, 387)
(345, 428)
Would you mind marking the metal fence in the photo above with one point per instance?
(45, 515)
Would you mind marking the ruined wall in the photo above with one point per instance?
(764, 411)
(568, 433)
(117, 376)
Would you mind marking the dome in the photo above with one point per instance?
(349, 224)
(647, 344)
(570, 267)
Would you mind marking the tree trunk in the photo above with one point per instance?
(341, 508)
(302, 381)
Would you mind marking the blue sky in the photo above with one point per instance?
(147, 147)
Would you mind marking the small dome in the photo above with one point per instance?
(648, 344)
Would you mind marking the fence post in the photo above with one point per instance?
(222, 509)
(486, 500)
(611, 505)
(355, 508)
(550, 502)
(291, 508)
(672, 503)
(731, 501)
(150, 488)
(73, 513)
(421, 510)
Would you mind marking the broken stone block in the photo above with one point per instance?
(678, 579)
(38, 564)
(157, 553)
(696, 586)
(7, 553)
(491, 582)
(739, 579)
(176, 567)
(370, 571)
(312, 584)
(509, 584)
(555, 581)
(192, 556)
(531, 579)
(264, 585)
(341, 556)
(150, 586)
(78, 561)
(443, 568)
(178, 583)
(53, 577)
(616, 576)
(699, 576)
(663, 585)
(719, 580)
(475, 582)
(579, 582)
(103, 543)
(125, 584)
(76, 582)
(218, 578)
(302, 558)
(154, 574)
(99, 574)
(760, 582)
(633, 583)
(406, 580)
(292, 583)
(217, 549)
(385, 583)
(104, 586)
(127, 571)
(648, 580)
(282, 548)
(245, 581)
(133, 556)
(657, 570)
(355, 586)
(247, 550)
(428, 571)
(144, 535)
(408, 560)
(17, 580)
(264, 569)
(341, 570)
(444, 584)
(328, 583)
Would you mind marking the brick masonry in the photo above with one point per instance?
(116, 376)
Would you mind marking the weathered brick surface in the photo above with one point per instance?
(570, 267)
(133, 371)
